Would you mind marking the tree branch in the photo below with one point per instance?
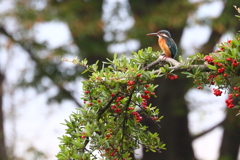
(176, 66)
(163, 59)
(207, 131)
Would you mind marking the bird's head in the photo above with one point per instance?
(162, 33)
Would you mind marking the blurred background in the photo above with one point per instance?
(38, 91)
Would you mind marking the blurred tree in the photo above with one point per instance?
(84, 19)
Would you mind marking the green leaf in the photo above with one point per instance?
(212, 67)
(188, 74)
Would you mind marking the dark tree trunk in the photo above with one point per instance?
(3, 155)
(231, 137)
(174, 126)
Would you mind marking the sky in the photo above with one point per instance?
(31, 123)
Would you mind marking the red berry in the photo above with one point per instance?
(228, 59)
(90, 104)
(229, 101)
(117, 110)
(208, 59)
(235, 63)
(86, 92)
(112, 94)
(139, 75)
(134, 113)
(221, 70)
(139, 118)
(146, 85)
(173, 77)
(146, 92)
(130, 83)
(112, 154)
(212, 83)
(130, 108)
(217, 92)
(113, 106)
(147, 97)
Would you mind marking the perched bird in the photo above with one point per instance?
(166, 43)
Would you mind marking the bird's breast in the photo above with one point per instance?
(163, 45)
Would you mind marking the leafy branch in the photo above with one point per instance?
(109, 121)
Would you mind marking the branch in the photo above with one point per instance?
(207, 131)
(179, 68)
(163, 59)
(176, 66)
(101, 111)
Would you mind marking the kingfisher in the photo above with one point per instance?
(166, 43)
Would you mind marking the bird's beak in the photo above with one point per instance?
(152, 34)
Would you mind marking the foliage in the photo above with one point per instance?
(116, 94)
(109, 121)
(224, 67)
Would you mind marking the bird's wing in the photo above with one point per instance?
(173, 47)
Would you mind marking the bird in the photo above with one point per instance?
(166, 43)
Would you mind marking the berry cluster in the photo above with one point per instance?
(225, 66)
(119, 103)
(172, 77)
(137, 116)
(217, 92)
(229, 101)
(112, 152)
(221, 70)
(236, 93)
(208, 58)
